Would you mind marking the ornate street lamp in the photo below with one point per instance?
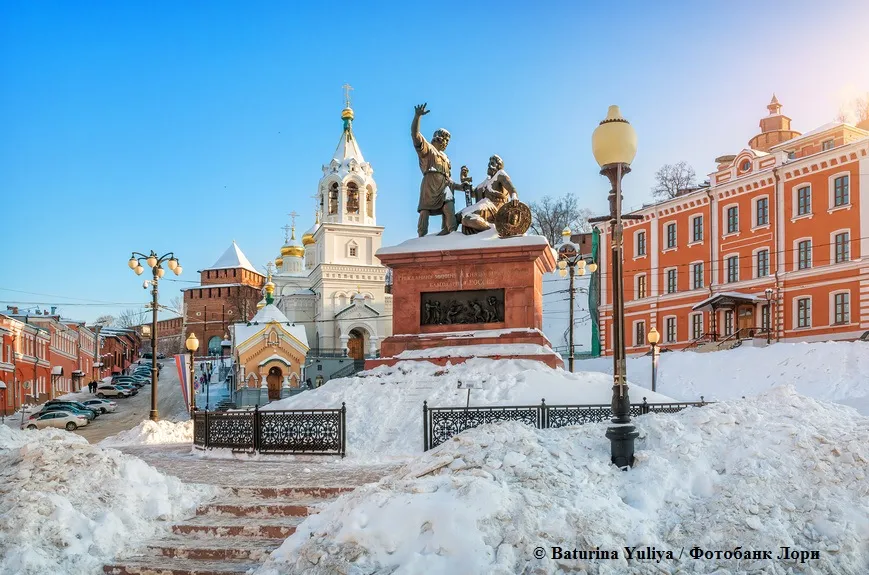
(768, 293)
(654, 337)
(156, 265)
(571, 262)
(192, 344)
(614, 144)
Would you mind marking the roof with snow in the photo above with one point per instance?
(269, 314)
(233, 257)
(725, 299)
(458, 241)
(348, 147)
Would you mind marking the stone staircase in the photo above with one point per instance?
(230, 535)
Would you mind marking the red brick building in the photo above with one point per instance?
(788, 213)
(119, 348)
(27, 347)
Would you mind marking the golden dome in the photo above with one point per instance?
(293, 251)
(307, 239)
(270, 287)
(347, 113)
(279, 262)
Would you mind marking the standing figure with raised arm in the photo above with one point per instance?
(436, 189)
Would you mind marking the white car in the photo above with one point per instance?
(64, 419)
(102, 405)
(107, 390)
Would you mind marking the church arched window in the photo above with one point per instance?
(352, 198)
(334, 190)
(369, 204)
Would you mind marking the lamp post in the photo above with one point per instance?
(614, 144)
(192, 344)
(768, 293)
(571, 262)
(654, 337)
(156, 265)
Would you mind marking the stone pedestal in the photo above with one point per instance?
(482, 293)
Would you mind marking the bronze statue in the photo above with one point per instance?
(490, 195)
(437, 187)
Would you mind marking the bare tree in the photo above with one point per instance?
(131, 317)
(855, 111)
(176, 304)
(549, 217)
(105, 320)
(672, 179)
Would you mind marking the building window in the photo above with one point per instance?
(840, 191)
(764, 317)
(762, 217)
(352, 198)
(334, 191)
(696, 325)
(697, 276)
(826, 145)
(792, 155)
(762, 268)
(732, 269)
(804, 201)
(842, 247)
(353, 252)
(728, 322)
(671, 281)
(804, 252)
(840, 304)
(641, 243)
(671, 235)
(804, 312)
(640, 333)
(641, 286)
(732, 219)
(697, 229)
(670, 330)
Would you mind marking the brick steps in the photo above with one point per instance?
(230, 526)
(169, 566)
(251, 507)
(216, 549)
(284, 492)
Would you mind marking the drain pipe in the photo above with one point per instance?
(779, 254)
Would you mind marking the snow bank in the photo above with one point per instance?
(780, 470)
(384, 405)
(150, 432)
(69, 507)
(831, 371)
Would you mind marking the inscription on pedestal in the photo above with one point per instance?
(462, 307)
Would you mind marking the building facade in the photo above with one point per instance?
(777, 243)
(29, 353)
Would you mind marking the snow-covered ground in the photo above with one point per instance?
(832, 371)
(778, 470)
(384, 405)
(152, 432)
(68, 507)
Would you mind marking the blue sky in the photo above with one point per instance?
(184, 125)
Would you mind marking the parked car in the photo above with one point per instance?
(63, 419)
(128, 379)
(74, 410)
(130, 388)
(147, 355)
(108, 390)
(104, 405)
(75, 404)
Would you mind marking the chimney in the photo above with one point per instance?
(53, 310)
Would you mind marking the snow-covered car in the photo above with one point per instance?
(51, 408)
(130, 388)
(106, 390)
(103, 405)
(64, 419)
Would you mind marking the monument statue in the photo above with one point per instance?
(437, 187)
(495, 191)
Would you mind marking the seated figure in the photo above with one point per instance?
(495, 191)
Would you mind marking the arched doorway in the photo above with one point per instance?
(274, 381)
(356, 344)
(214, 346)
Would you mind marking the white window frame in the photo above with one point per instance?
(667, 247)
(667, 280)
(833, 245)
(796, 252)
(796, 311)
(754, 224)
(725, 220)
(692, 241)
(351, 245)
(691, 317)
(833, 295)
(637, 255)
(832, 143)
(754, 260)
(702, 274)
(796, 215)
(637, 286)
(831, 192)
(675, 329)
(634, 332)
(725, 268)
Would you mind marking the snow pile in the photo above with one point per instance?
(779, 470)
(69, 507)
(831, 371)
(150, 432)
(384, 405)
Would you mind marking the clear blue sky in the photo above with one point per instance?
(184, 125)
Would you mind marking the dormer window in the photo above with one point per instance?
(745, 166)
(827, 145)
(792, 155)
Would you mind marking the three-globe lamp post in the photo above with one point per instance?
(156, 265)
(614, 144)
(654, 337)
(192, 344)
(571, 262)
(768, 293)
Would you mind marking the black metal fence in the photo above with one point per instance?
(441, 423)
(298, 431)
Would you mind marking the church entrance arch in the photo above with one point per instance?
(214, 346)
(356, 344)
(274, 380)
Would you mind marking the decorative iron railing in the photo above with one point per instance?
(441, 423)
(297, 431)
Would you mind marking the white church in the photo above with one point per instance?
(332, 283)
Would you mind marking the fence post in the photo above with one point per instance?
(543, 420)
(425, 425)
(256, 420)
(343, 429)
(207, 430)
(645, 407)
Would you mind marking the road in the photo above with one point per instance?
(131, 411)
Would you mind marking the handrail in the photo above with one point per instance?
(702, 338)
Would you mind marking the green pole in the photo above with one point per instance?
(594, 294)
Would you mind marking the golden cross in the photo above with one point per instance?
(347, 89)
(269, 266)
(286, 229)
(293, 215)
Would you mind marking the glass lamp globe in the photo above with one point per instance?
(654, 337)
(592, 267)
(178, 270)
(152, 261)
(614, 141)
(580, 272)
(132, 263)
(581, 264)
(172, 263)
(562, 272)
(562, 264)
(160, 272)
(139, 269)
(192, 343)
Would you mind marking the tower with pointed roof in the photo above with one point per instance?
(774, 128)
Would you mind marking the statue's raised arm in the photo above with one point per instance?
(436, 188)
(419, 141)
